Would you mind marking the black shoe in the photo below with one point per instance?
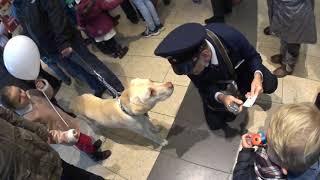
(100, 156)
(97, 144)
(134, 20)
(166, 2)
(122, 52)
(214, 19)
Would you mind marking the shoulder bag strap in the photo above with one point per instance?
(223, 53)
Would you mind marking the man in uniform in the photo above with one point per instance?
(221, 63)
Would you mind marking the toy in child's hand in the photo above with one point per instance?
(259, 139)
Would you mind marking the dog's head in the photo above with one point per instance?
(143, 94)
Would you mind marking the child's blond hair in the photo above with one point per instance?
(294, 135)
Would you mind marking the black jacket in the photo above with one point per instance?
(244, 168)
(46, 23)
(24, 151)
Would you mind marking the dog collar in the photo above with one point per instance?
(126, 111)
(123, 108)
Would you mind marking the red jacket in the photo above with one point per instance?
(92, 15)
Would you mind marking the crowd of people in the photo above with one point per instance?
(219, 60)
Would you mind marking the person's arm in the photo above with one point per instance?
(207, 91)
(69, 137)
(248, 53)
(18, 121)
(44, 85)
(60, 24)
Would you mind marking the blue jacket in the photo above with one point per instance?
(238, 48)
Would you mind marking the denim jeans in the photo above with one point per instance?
(82, 64)
(51, 61)
(148, 12)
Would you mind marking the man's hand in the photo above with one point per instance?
(246, 141)
(229, 100)
(256, 86)
(66, 52)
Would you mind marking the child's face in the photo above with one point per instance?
(18, 97)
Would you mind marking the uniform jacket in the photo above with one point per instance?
(238, 49)
(46, 23)
(293, 21)
(96, 21)
(24, 152)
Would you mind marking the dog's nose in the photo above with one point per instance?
(169, 85)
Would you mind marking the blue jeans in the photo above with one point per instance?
(82, 64)
(148, 12)
(51, 61)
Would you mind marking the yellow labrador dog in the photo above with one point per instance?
(129, 111)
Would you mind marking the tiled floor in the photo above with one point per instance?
(194, 152)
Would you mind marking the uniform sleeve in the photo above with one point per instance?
(60, 24)
(207, 92)
(18, 121)
(249, 53)
(109, 4)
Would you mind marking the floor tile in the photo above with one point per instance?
(146, 68)
(274, 97)
(313, 50)
(308, 67)
(170, 168)
(191, 140)
(163, 122)
(244, 19)
(297, 89)
(143, 46)
(130, 160)
(260, 115)
(171, 106)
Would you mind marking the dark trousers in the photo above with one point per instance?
(71, 172)
(216, 113)
(221, 7)
(108, 47)
(289, 52)
(85, 66)
(129, 10)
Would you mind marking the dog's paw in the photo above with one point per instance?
(164, 143)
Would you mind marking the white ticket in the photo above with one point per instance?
(250, 101)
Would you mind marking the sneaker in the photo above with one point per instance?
(148, 33)
(100, 155)
(160, 28)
